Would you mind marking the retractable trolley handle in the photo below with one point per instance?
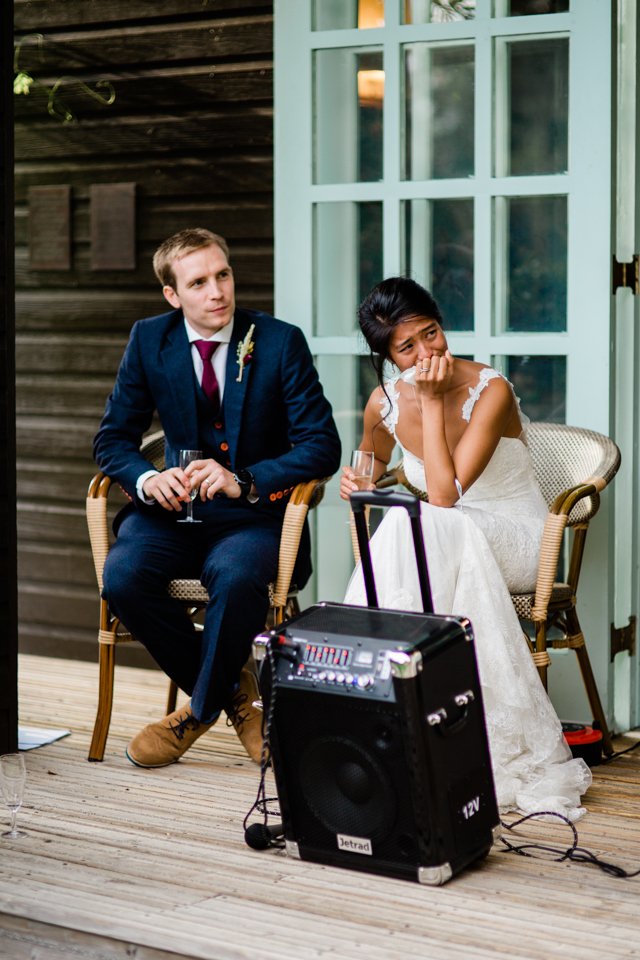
(390, 498)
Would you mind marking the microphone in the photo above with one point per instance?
(260, 836)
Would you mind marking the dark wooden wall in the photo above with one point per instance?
(191, 127)
(8, 594)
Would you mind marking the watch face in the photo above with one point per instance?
(245, 481)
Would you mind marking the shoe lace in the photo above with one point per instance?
(237, 712)
(188, 722)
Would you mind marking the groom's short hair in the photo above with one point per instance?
(179, 245)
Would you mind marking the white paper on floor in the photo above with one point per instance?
(30, 737)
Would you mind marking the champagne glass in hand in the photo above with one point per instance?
(13, 774)
(362, 464)
(187, 457)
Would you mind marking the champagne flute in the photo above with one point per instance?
(187, 457)
(362, 464)
(13, 774)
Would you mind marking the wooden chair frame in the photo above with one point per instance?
(282, 593)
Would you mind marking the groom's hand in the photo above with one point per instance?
(212, 479)
(168, 488)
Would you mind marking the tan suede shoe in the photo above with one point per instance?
(246, 718)
(162, 743)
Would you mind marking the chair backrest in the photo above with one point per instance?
(564, 457)
(152, 449)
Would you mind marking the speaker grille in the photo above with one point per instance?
(341, 769)
(346, 788)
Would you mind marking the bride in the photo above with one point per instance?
(459, 427)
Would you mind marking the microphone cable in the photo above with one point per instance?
(259, 835)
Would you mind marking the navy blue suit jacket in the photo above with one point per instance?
(276, 421)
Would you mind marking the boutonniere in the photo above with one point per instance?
(245, 351)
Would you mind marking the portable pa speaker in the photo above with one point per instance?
(378, 741)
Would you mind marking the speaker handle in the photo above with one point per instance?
(440, 718)
(385, 498)
(390, 498)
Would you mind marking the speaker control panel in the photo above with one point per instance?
(363, 667)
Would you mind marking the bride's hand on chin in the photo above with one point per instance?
(433, 376)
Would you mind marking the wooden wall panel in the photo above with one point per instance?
(191, 128)
(40, 15)
(239, 175)
(135, 46)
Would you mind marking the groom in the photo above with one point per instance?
(240, 386)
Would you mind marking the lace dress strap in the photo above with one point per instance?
(486, 374)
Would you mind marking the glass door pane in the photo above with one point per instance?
(532, 84)
(347, 263)
(439, 111)
(347, 14)
(438, 253)
(534, 274)
(348, 96)
(438, 11)
(540, 384)
(529, 8)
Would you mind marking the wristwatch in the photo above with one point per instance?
(244, 479)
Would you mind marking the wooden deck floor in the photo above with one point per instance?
(121, 862)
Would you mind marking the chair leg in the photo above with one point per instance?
(172, 696)
(541, 657)
(105, 702)
(578, 644)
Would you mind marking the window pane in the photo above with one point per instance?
(347, 14)
(538, 84)
(439, 116)
(438, 11)
(528, 8)
(438, 253)
(347, 262)
(536, 264)
(349, 90)
(348, 382)
(541, 386)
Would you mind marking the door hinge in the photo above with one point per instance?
(624, 638)
(626, 275)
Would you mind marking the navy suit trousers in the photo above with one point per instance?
(234, 554)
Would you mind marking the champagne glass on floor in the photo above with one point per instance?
(13, 775)
(187, 457)
(362, 464)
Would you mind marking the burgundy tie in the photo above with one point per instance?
(206, 349)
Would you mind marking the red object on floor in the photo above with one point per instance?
(584, 742)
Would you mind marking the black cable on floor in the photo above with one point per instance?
(574, 852)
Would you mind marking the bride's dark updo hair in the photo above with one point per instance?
(393, 301)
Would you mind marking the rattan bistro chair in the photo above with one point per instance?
(282, 594)
(572, 466)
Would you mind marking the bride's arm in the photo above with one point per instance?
(376, 437)
(477, 445)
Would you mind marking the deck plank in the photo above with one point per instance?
(156, 860)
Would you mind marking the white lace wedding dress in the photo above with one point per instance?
(477, 551)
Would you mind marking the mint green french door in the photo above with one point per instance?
(465, 143)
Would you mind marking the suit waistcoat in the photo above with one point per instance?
(210, 427)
